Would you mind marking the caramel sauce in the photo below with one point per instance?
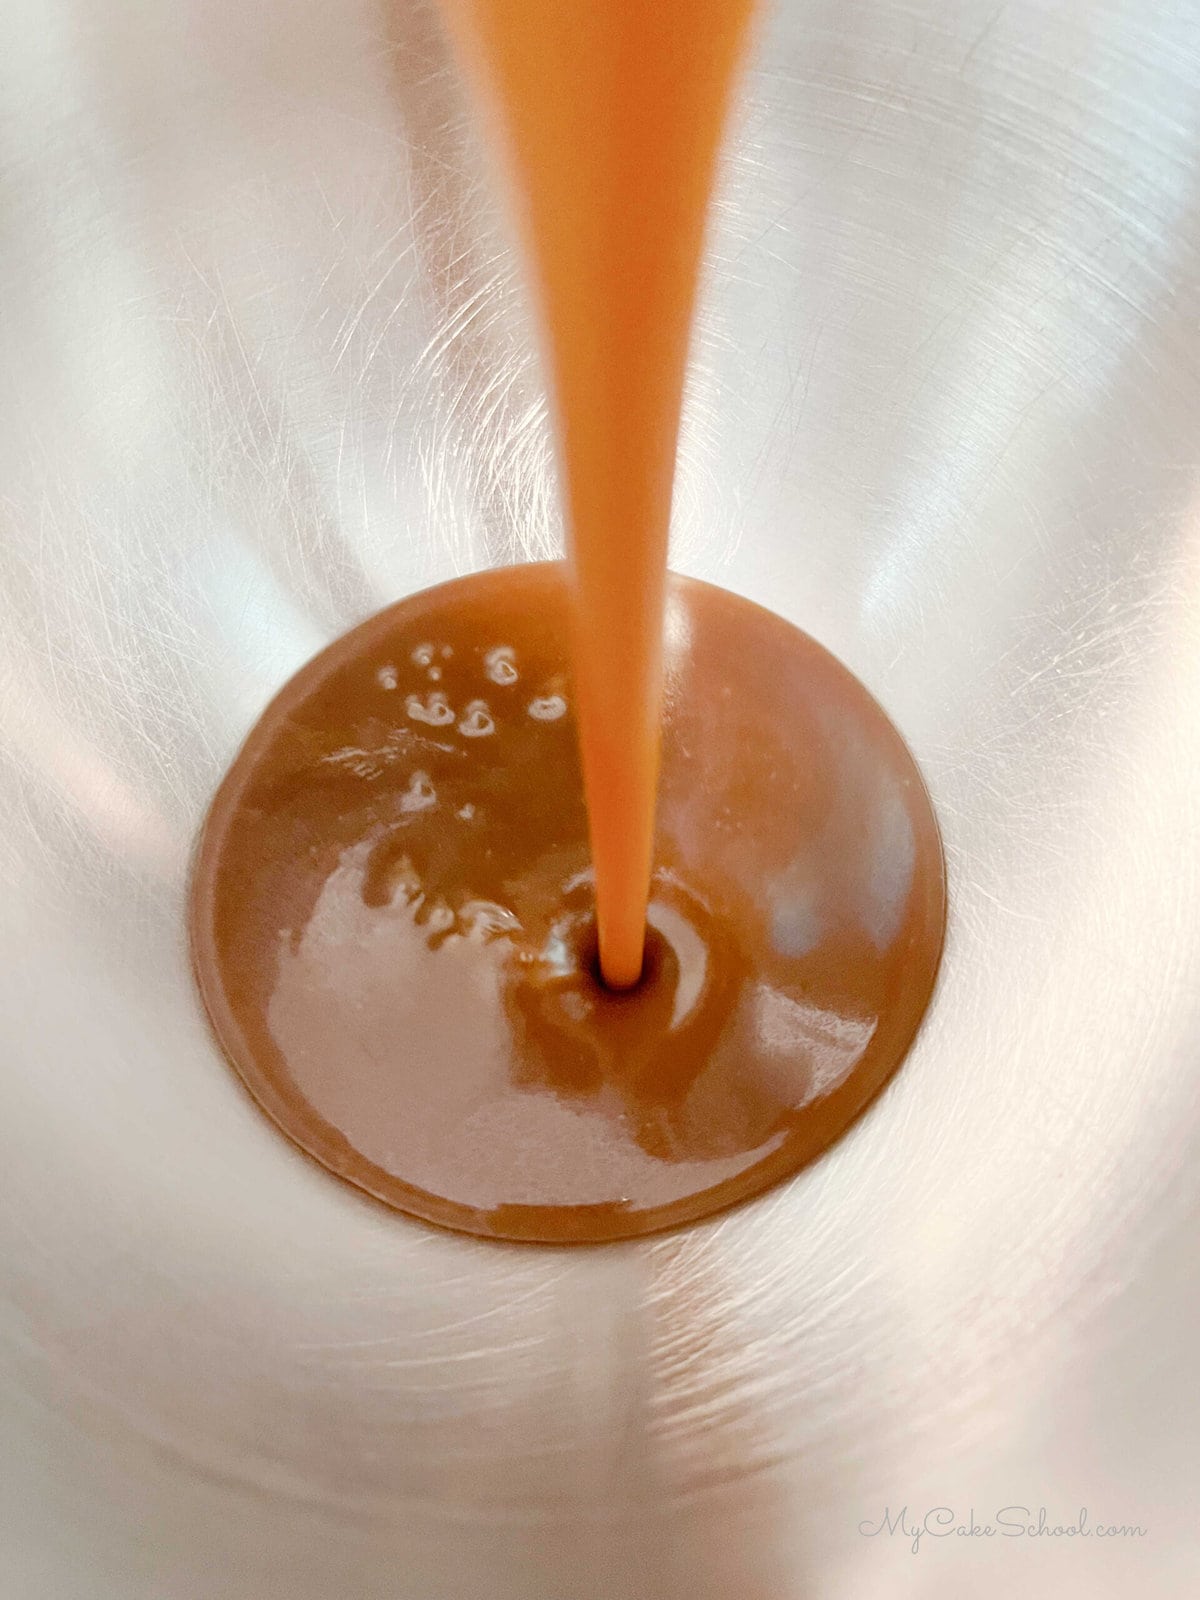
(608, 116)
(440, 928)
(393, 916)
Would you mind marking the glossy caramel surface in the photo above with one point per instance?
(393, 916)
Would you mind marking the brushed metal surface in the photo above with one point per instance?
(266, 366)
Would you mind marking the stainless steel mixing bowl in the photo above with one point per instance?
(267, 366)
